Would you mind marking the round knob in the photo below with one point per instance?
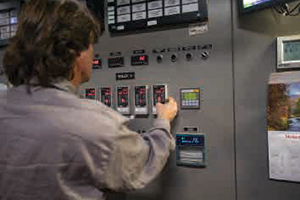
(174, 58)
(188, 56)
(159, 58)
(205, 55)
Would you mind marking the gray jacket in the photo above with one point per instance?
(55, 146)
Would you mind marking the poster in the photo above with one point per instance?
(284, 126)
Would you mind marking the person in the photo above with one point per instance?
(54, 145)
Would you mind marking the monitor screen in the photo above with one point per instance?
(247, 6)
(251, 3)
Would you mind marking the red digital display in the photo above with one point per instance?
(159, 94)
(142, 58)
(141, 96)
(123, 97)
(139, 60)
(106, 96)
(97, 64)
(90, 93)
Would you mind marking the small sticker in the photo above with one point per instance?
(139, 7)
(197, 29)
(190, 8)
(155, 13)
(172, 11)
(152, 23)
(154, 5)
(123, 18)
(123, 10)
(172, 3)
(139, 16)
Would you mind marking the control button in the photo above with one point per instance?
(159, 58)
(205, 55)
(188, 56)
(174, 58)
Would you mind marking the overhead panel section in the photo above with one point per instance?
(125, 16)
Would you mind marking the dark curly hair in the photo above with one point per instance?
(50, 35)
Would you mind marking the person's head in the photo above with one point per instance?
(53, 41)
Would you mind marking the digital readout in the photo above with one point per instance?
(140, 96)
(106, 96)
(90, 93)
(190, 140)
(292, 50)
(123, 97)
(159, 94)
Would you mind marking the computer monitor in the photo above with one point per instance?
(247, 6)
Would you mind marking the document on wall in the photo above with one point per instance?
(284, 126)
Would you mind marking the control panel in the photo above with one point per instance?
(8, 20)
(128, 16)
(141, 100)
(123, 100)
(90, 93)
(190, 149)
(159, 95)
(106, 96)
(190, 98)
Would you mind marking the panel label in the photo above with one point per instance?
(139, 16)
(125, 76)
(137, 1)
(155, 13)
(190, 8)
(154, 5)
(189, 1)
(172, 10)
(152, 23)
(139, 7)
(124, 18)
(122, 2)
(123, 10)
(172, 3)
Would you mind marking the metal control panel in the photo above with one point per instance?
(132, 15)
(9, 11)
(106, 96)
(123, 99)
(159, 95)
(190, 149)
(141, 100)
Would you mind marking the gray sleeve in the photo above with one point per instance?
(137, 159)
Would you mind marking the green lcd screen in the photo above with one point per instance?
(292, 50)
(190, 96)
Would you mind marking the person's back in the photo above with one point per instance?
(54, 145)
(42, 142)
